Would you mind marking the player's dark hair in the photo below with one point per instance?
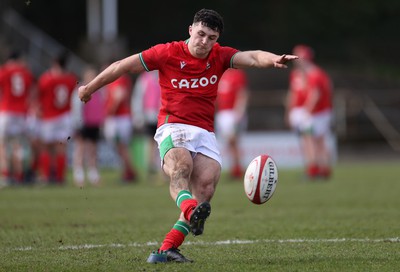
(14, 55)
(209, 18)
(61, 59)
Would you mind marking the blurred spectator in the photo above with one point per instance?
(55, 88)
(230, 118)
(118, 123)
(146, 104)
(89, 119)
(16, 92)
(309, 111)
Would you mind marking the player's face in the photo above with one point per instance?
(202, 39)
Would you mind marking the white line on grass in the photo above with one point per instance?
(225, 242)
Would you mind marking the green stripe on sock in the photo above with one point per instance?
(183, 195)
(182, 227)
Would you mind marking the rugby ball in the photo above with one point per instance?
(260, 179)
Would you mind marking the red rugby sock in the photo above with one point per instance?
(173, 239)
(187, 207)
(176, 236)
(312, 171)
(45, 165)
(61, 164)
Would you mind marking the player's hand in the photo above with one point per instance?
(283, 59)
(83, 94)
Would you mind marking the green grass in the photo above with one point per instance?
(341, 225)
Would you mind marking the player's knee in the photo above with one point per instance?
(205, 192)
(209, 190)
(206, 187)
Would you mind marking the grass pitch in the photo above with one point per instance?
(351, 223)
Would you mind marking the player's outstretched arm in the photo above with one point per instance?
(130, 64)
(261, 59)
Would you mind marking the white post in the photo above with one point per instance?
(110, 20)
(93, 20)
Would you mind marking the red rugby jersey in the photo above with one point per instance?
(318, 81)
(15, 84)
(189, 85)
(297, 88)
(55, 91)
(123, 107)
(232, 83)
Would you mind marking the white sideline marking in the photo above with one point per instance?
(226, 242)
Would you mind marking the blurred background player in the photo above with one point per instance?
(16, 93)
(55, 88)
(230, 119)
(146, 103)
(89, 119)
(309, 111)
(118, 123)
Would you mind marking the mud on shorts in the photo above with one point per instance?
(194, 139)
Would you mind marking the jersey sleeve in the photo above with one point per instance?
(154, 57)
(227, 54)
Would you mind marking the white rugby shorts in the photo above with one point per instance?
(317, 124)
(194, 139)
(321, 122)
(12, 125)
(56, 129)
(118, 129)
(300, 120)
(227, 124)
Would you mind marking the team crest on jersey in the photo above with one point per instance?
(208, 65)
(183, 64)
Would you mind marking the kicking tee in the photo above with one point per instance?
(189, 85)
